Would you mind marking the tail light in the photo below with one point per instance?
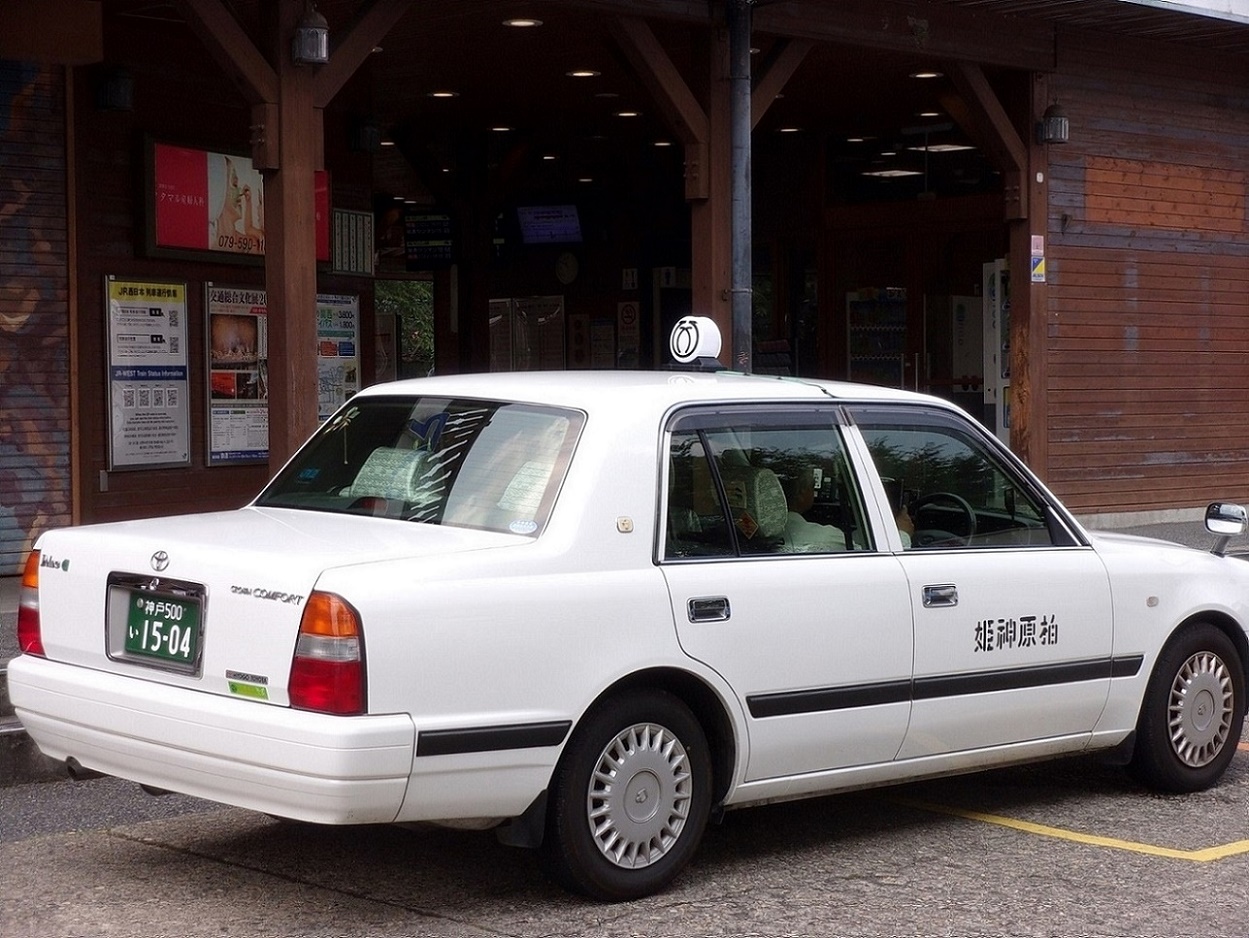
(327, 673)
(29, 634)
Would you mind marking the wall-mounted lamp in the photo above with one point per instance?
(114, 89)
(311, 45)
(1053, 126)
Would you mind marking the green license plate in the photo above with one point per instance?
(163, 627)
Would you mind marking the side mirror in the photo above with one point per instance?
(1225, 520)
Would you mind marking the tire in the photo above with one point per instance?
(1192, 714)
(631, 797)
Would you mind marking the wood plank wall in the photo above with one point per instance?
(1148, 256)
(35, 485)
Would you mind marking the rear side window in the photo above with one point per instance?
(478, 464)
(744, 483)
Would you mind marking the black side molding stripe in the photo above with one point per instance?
(823, 699)
(828, 698)
(491, 738)
(1127, 667)
(1069, 672)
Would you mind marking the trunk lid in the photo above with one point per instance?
(212, 601)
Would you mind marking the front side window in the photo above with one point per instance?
(478, 464)
(751, 483)
(946, 487)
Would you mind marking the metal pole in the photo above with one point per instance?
(738, 16)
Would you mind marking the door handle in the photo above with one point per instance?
(945, 594)
(709, 609)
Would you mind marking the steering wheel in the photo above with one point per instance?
(934, 537)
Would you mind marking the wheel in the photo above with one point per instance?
(931, 537)
(631, 797)
(1192, 714)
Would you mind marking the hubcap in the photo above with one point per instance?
(639, 796)
(1199, 713)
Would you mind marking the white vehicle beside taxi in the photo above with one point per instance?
(596, 610)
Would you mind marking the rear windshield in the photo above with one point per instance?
(467, 463)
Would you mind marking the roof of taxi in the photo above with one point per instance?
(594, 390)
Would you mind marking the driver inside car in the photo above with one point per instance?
(901, 515)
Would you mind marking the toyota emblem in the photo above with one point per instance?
(160, 560)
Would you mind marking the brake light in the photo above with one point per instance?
(327, 673)
(29, 634)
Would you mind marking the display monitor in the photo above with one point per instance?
(549, 224)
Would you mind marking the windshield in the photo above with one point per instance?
(467, 463)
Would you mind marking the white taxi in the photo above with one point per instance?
(595, 610)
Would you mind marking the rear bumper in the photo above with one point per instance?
(308, 766)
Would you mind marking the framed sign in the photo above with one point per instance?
(238, 374)
(149, 418)
(205, 201)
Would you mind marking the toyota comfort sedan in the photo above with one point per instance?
(594, 610)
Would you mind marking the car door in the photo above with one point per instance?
(776, 585)
(1013, 623)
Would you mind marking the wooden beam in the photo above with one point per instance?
(981, 115)
(923, 29)
(350, 52)
(775, 74)
(57, 32)
(232, 48)
(654, 68)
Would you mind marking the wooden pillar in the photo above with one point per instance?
(1030, 303)
(290, 251)
(711, 250)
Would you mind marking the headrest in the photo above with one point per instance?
(390, 473)
(757, 500)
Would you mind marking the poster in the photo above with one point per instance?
(238, 375)
(338, 351)
(209, 201)
(238, 367)
(149, 419)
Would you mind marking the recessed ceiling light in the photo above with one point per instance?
(888, 152)
(500, 129)
(443, 94)
(892, 173)
(586, 179)
(628, 113)
(583, 73)
(788, 130)
(388, 143)
(927, 73)
(663, 143)
(522, 22)
(855, 139)
(929, 114)
(549, 156)
(943, 148)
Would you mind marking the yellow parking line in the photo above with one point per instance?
(1044, 830)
